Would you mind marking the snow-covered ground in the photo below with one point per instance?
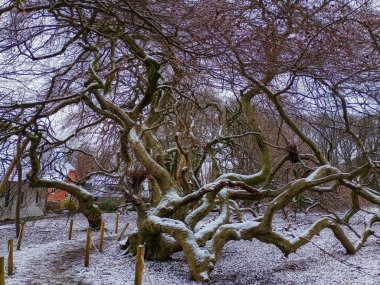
(47, 257)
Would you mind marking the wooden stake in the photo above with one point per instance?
(139, 265)
(20, 236)
(88, 247)
(71, 229)
(117, 223)
(123, 231)
(102, 227)
(2, 271)
(10, 257)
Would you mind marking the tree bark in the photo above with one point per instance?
(19, 186)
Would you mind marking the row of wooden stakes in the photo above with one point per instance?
(139, 257)
(10, 255)
(101, 238)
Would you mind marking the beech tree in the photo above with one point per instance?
(212, 102)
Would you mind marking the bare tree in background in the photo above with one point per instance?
(145, 84)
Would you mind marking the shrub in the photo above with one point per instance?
(53, 206)
(108, 206)
(70, 204)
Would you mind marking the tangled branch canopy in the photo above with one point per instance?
(204, 105)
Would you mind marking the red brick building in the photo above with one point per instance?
(58, 195)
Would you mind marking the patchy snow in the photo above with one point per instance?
(223, 217)
(205, 204)
(48, 258)
(134, 136)
(240, 177)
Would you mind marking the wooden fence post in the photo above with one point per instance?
(20, 236)
(139, 265)
(102, 227)
(10, 257)
(117, 223)
(2, 271)
(88, 247)
(123, 231)
(71, 229)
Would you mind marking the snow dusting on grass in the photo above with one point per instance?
(48, 258)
